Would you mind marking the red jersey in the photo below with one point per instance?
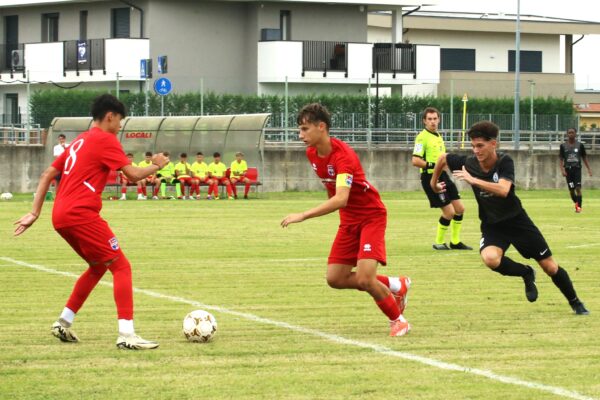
(364, 201)
(85, 166)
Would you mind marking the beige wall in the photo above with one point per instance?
(502, 84)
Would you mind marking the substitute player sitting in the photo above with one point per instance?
(199, 174)
(360, 240)
(238, 169)
(164, 176)
(76, 217)
(216, 172)
(183, 175)
(504, 222)
(125, 182)
(149, 180)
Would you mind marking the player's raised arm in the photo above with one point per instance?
(334, 203)
(28, 219)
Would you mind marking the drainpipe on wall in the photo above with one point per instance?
(141, 10)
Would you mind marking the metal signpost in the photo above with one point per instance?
(162, 87)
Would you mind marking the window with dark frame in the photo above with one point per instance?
(11, 38)
(83, 16)
(49, 27)
(457, 59)
(285, 24)
(531, 61)
(120, 23)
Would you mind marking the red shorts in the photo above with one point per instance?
(201, 180)
(221, 180)
(186, 180)
(94, 242)
(355, 242)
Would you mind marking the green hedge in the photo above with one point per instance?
(45, 105)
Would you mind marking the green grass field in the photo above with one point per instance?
(282, 332)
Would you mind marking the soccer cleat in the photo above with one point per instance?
(216, 197)
(134, 342)
(209, 197)
(402, 296)
(399, 327)
(579, 307)
(460, 246)
(231, 198)
(531, 291)
(64, 333)
(442, 246)
(577, 208)
(154, 197)
(122, 198)
(141, 197)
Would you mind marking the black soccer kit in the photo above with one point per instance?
(572, 156)
(503, 219)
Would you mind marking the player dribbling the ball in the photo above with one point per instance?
(85, 166)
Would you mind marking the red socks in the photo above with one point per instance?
(122, 287)
(389, 307)
(84, 286)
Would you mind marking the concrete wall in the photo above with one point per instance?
(388, 169)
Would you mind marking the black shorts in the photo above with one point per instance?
(573, 177)
(521, 232)
(438, 200)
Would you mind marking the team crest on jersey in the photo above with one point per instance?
(114, 243)
(495, 177)
(418, 148)
(330, 170)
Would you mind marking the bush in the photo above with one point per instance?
(47, 104)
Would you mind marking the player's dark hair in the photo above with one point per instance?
(216, 154)
(106, 103)
(484, 129)
(129, 154)
(166, 153)
(314, 113)
(431, 110)
(183, 155)
(572, 129)
(199, 153)
(61, 136)
(148, 154)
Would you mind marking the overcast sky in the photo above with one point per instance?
(586, 53)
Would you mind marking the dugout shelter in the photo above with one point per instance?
(226, 134)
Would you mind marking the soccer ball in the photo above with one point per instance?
(199, 326)
(6, 196)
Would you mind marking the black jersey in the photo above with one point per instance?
(572, 154)
(492, 208)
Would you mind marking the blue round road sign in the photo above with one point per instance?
(162, 86)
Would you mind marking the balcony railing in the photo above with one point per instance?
(394, 58)
(324, 56)
(84, 55)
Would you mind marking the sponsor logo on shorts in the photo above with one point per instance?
(481, 242)
(367, 247)
(330, 170)
(114, 243)
(543, 252)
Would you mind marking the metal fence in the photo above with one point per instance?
(532, 140)
(324, 56)
(21, 134)
(394, 58)
(412, 121)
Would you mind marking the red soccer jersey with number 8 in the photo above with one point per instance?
(85, 166)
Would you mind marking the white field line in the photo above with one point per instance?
(334, 338)
(579, 246)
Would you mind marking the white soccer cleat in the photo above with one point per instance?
(64, 333)
(134, 342)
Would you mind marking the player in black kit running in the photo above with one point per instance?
(503, 219)
(572, 152)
